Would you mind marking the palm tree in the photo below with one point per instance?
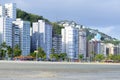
(92, 56)
(41, 53)
(9, 49)
(52, 51)
(16, 51)
(63, 56)
(52, 57)
(99, 57)
(3, 50)
(80, 57)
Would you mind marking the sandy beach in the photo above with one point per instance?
(34, 70)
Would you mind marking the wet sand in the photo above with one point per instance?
(32, 70)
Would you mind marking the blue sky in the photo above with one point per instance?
(99, 14)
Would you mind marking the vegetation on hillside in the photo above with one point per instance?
(56, 28)
(34, 18)
(29, 17)
(115, 42)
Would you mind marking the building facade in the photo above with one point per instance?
(24, 27)
(42, 33)
(57, 43)
(8, 10)
(6, 30)
(35, 37)
(82, 42)
(70, 42)
(2, 11)
(16, 35)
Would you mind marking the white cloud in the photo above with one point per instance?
(109, 30)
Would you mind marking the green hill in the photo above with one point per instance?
(57, 28)
(29, 17)
(34, 18)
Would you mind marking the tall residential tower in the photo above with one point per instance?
(42, 33)
(24, 27)
(70, 42)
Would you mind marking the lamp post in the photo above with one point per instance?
(37, 50)
(5, 49)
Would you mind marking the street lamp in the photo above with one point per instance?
(37, 50)
(5, 49)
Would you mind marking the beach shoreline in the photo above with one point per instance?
(48, 62)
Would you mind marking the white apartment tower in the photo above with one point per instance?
(2, 11)
(70, 42)
(35, 40)
(24, 27)
(6, 30)
(42, 33)
(8, 10)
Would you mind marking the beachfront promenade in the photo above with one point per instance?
(33, 70)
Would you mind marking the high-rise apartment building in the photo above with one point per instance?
(16, 35)
(6, 30)
(70, 42)
(82, 42)
(24, 27)
(42, 33)
(8, 10)
(35, 39)
(57, 43)
(2, 11)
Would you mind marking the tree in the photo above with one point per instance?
(29, 17)
(99, 57)
(92, 55)
(52, 56)
(110, 57)
(16, 51)
(9, 49)
(63, 56)
(3, 50)
(52, 51)
(57, 28)
(80, 57)
(33, 54)
(41, 53)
